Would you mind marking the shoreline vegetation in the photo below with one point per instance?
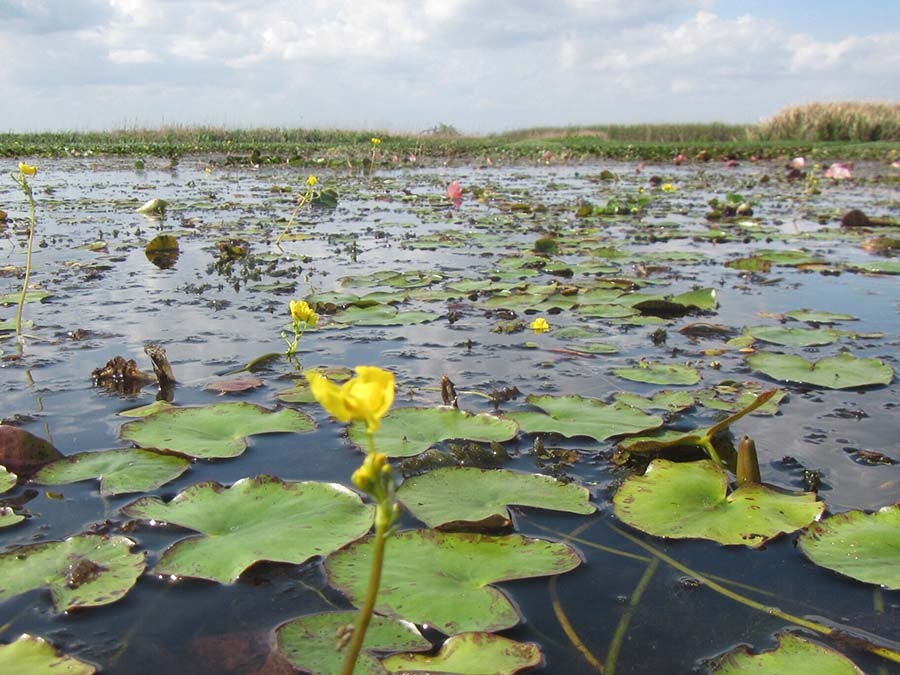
(851, 130)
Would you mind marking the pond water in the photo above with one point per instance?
(394, 235)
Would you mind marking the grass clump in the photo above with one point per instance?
(850, 121)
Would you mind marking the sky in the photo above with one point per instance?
(480, 66)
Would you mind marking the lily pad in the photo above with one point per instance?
(864, 546)
(30, 296)
(470, 654)
(793, 655)
(30, 655)
(262, 518)
(86, 570)
(308, 642)
(468, 495)
(818, 317)
(660, 373)
(673, 401)
(691, 500)
(581, 416)
(7, 479)
(119, 471)
(381, 315)
(836, 372)
(443, 579)
(794, 337)
(406, 432)
(213, 431)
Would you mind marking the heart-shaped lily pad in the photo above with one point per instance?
(470, 654)
(212, 431)
(262, 518)
(794, 337)
(581, 416)
(120, 470)
(443, 579)
(405, 432)
(86, 570)
(837, 372)
(859, 545)
(470, 495)
(309, 642)
(660, 373)
(793, 655)
(691, 500)
(30, 655)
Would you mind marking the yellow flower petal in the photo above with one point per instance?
(329, 396)
(27, 169)
(539, 325)
(312, 180)
(301, 311)
(366, 398)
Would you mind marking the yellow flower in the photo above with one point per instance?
(376, 141)
(367, 397)
(539, 325)
(312, 180)
(668, 187)
(27, 169)
(301, 311)
(368, 477)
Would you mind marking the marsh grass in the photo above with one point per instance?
(856, 122)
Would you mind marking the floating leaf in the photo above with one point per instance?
(381, 315)
(30, 655)
(673, 401)
(405, 432)
(86, 570)
(581, 416)
(794, 337)
(7, 479)
(470, 495)
(213, 431)
(793, 655)
(863, 546)
(812, 316)
(308, 642)
(236, 385)
(660, 373)
(23, 452)
(691, 500)
(30, 296)
(262, 518)
(443, 579)
(471, 654)
(120, 471)
(162, 251)
(155, 207)
(837, 372)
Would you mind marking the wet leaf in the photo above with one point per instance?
(794, 337)
(236, 385)
(660, 373)
(864, 546)
(30, 296)
(816, 317)
(262, 518)
(452, 573)
(468, 495)
(309, 642)
(155, 207)
(471, 654)
(844, 371)
(119, 471)
(213, 431)
(581, 416)
(24, 453)
(7, 479)
(86, 570)
(673, 401)
(30, 655)
(162, 251)
(405, 432)
(691, 500)
(793, 655)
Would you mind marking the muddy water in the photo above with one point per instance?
(107, 298)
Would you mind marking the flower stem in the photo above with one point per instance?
(30, 246)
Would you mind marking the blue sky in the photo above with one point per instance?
(404, 65)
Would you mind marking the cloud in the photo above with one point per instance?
(410, 64)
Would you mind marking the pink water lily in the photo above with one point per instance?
(454, 193)
(839, 171)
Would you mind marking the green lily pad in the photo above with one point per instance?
(836, 372)
(7, 480)
(262, 518)
(813, 316)
(660, 373)
(381, 315)
(443, 579)
(9, 517)
(690, 500)
(581, 416)
(730, 396)
(308, 642)
(793, 655)
(470, 654)
(673, 401)
(213, 431)
(406, 432)
(30, 296)
(789, 258)
(863, 546)
(794, 337)
(119, 471)
(30, 655)
(86, 570)
(469, 495)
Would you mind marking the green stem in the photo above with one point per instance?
(382, 525)
(619, 636)
(27, 189)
